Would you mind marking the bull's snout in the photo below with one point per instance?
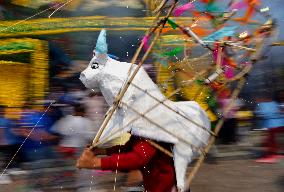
(83, 78)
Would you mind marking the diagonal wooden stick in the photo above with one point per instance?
(159, 147)
(220, 123)
(160, 7)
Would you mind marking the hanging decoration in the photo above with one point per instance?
(145, 42)
(220, 34)
(182, 9)
(174, 52)
(172, 23)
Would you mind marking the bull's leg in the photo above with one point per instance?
(181, 162)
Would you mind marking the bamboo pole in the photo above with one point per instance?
(159, 147)
(220, 123)
(123, 91)
(159, 8)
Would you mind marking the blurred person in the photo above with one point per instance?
(96, 107)
(137, 154)
(9, 144)
(228, 132)
(244, 121)
(38, 140)
(69, 99)
(60, 61)
(280, 99)
(35, 126)
(76, 131)
(272, 119)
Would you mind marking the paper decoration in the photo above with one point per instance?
(212, 7)
(199, 82)
(180, 10)
(220, 34)
(211, 100)
(201, 7)
(174, 52)
(145, 42)
(215, 56)
(161, 59)
(251, 4)
(226, 63)
(229, 72)
(164, 62)
(172, 24)
(238, 5)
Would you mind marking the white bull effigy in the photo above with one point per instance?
(144, 111)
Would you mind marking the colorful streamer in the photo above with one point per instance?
(199, 82)
(162, 59)
(172, 24)
(229, 72)
(250, 10)
(145, 42)
(215, 55)
(238, 5)
(227, 64)
(180, 10)
(174, 52)
(220, 34)
(212, 7)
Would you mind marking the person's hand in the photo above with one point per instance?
(99, 151)
(96, 150)
(88, 160)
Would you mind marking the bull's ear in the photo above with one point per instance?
(101, 46)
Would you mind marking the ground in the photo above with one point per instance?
(232, 170)
(243, 175)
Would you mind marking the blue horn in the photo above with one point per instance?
(101, 46)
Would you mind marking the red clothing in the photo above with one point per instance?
(156, 167)
(68, 152)
(272, 146)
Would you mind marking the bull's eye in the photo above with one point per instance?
(95, 65)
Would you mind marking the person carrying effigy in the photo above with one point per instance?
(180, 128)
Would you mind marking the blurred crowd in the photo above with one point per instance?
(58, 128)
(49, 130)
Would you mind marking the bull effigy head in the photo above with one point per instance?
(89, 76)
